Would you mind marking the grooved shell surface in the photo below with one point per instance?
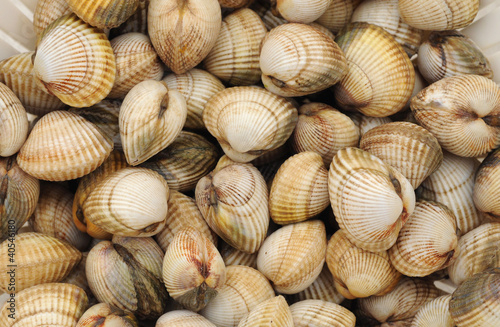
(13, 122)
(487, 186)
(300, 11)
(105, 315)
(47, 11)
(434, 313)
(321, 314)
(104, 13)
(270, 313)
(322, 288)
(338, 14)
(183, 318)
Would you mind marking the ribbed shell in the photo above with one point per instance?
(487, 186)
(271, 313)
(183, 32)
(38, 259)
(438, 15)
(232, 256)
(234, 3)
(322, 288)
(104, 13)
(137, 23)
(248, 121)
(63, 146)
(321, 314)
(235, 56)
(47, 11)
(370, 200)
(380, 75)
(300, 11)
(13, 122)
(136, 61)
(193, 269)
(78, 277)
(75, 62)
(323, 129)
(366, 123)
(105, 315)
(476, 302)
(434, 313)
(338, 14)
(129, 202)
(478, 250)
(53, 304)
(411, 149)
(151, 118)
(462, 113)
(183, 318)
(264, 10)
(185, 161)
(234, 202)
(293, 256)
(197, 86)
(17, 73)
(298, 59)
(244, 289)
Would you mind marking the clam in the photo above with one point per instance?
(74, 61)
(13, 123)
(323, 288)
(487, 187)
(270, 313)
(78, 277)
(234, 3)
(183, 318)
(47, 11)
(321, 314)
(366, 123)
(462, 113)
(338, 14)
(103, 315)
(233, 257)
(104, 13)
(264, 10)
(434, 313)
(137, 23)
(300, 11)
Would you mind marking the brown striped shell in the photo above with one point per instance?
(323, 288)
(270, 313)
(300, 11)
(13, 122)
(487, 188)
(321, 313)
(47, 11)
(184, 318)
(104, 13)
(104, 315)
(338, 14)
(434, 313)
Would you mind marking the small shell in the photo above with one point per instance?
(322, 288)
(487, 187)
(104, 13)
(233, 257)
(13, 122)
(270, 313)
(47, 11)
(105, 315)
(434, 313)
(183, 318)
(321, 314)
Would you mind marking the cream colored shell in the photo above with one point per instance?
(434, 313)
(13, 122)
(47, 11)
(104, 315)
(322, 314)
(104, 13)
(183, 318)
(270, 313)
(487, 187)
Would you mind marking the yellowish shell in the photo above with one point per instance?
(487, 187)
(434, 313)
(137, 23)
(322, 314)
(233, 257)
(338, 14)
(47, 11)
(270, 313)
(183, 318)
(103, 314)
(104, 13)
(13, 122)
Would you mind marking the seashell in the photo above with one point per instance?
(409, 148)
(299, 190)
(47, 11)
(478, 250)
(386, 15)
(434, 313)
(293, 256)
(300, 11)
(233, 257)
(103, 314)
(104, 13)
(53, 216)
(321, 289)
(359, 273)
(323, 129)
(475, 302)
(129, 202)
(193, 269)
(452, 185)
(272, 312)
(17, 73)
(183, 33)
(449, 110)
(366, 123)
(197, 86)
(136, 263)
(233, 199)
(249, 121)
(338, 14)
(487, 187)
(438, 15)
(450, 53)
(63, 146)
(75, 62)
(137, 23)
(182, 212)
(50, 258)
(245, 288)
(185, 161)
(183, 318)
(321, 313)
(18, 197)
(52, 304)
(78, 277)
(279, 154)
(323, 29)
(371, 201)
(151, 117)
(427, 242)
(14, 123)
(312, 62)
(234, 3)
(264, 10)
(380, 75)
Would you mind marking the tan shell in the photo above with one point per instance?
(137, 23)
(409, 148)
(193, 269)
(151, 118)
(321, 314)
(38, 259)
(78, 277)
(13, 123)
(434, 313)
(183, 32)
(322, 288)
(104, 315)
(462, 113)
(63, 146)
(52, 304)
(233, 257)
(487, 188)
(197, 86)
(338, 14)
(249, 121)
(234, 3)
(270, 313)
(380, 75)
(47, 11)
(371, 201)
(298, 59)
(235, 56)
(183, 318)
(366, 123)
(245, 288)
(264, 10)
(104, 13)
(129, 202)
(438, 15)
(74, 61)
(323, 129)
(300, 11)
(293, 256)
(17, 73)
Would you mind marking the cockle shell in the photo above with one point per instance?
(300, 11)
(183, 318)
(264, 10)
(323, 288)
(78, 277)
(104, 13)
(13, 122)
(380, 75)
(63, 146)
(248, 121)
(338, 14)
(270, 313)
(151, 117)
(487, 188)
(321, 314)
(137, 23)
(38, 259)
(47, 11)
(233, 257)
(434, 313)
(183, 32)
(234, 3)
(297, 59)
(366, 123)
(105, 315)
(74, 61)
